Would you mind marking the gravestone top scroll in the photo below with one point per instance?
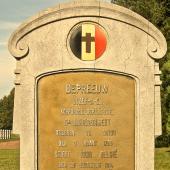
(87, 88)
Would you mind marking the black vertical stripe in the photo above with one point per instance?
(75, 42)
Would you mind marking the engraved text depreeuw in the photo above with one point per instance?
(86, 123)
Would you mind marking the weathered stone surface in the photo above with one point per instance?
(101, 121)
(41, 48)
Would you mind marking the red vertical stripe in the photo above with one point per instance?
(100, 42)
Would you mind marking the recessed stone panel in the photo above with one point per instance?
(86, 123)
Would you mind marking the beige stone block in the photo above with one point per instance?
(41, 46)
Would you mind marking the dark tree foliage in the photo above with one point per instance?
(6, 111)
(157, 12)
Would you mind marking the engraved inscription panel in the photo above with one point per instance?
(86, 120)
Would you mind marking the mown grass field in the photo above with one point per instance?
(162, 159)
(9, 159)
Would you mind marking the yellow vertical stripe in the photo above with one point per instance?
(88, 28)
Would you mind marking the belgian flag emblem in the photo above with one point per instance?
(88, 42)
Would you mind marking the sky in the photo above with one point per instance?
(12, 14)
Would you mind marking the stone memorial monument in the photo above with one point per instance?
(87, 88)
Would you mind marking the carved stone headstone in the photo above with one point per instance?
(87, 88)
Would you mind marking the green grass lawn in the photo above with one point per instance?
(162, 159)
(9, 159)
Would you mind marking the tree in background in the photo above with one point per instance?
(157, 12)
(6, 111)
